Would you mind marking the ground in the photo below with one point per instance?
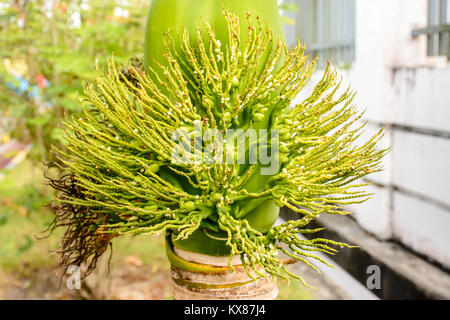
(138, 270)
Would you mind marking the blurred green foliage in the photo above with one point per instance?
(23, 195)
(47, 48)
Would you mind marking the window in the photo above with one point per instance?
(438, 29)
(327, 27)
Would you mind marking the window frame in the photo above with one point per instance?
(333, 41)
(438, 29)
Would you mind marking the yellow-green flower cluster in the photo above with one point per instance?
(121, 177)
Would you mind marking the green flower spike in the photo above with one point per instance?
(121, 178)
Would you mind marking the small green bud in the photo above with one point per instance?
(227, 117)
(151, 208)
(215, 197)
(284, 133)
(257, 117)
(139, 179)
(284, 147)
(189, 205)
(287, 121)
(283, 157)
(154, 168)
(235, 82)
(207, 102)
(199, 203)
(278, 203)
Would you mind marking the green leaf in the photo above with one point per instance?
(288, 7)
(4, 219)
(27, 245)
(38, 121)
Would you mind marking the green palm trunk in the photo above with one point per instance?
(165, 15)
(177, 15)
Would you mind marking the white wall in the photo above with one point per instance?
(421, 165)
(422, 226)
(408, 93)
(421, 98)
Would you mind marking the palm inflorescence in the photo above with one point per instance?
(121, 177)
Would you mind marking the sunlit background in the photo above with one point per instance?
(395, 54)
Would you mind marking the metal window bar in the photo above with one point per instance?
(438, 29)
(327, 27)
